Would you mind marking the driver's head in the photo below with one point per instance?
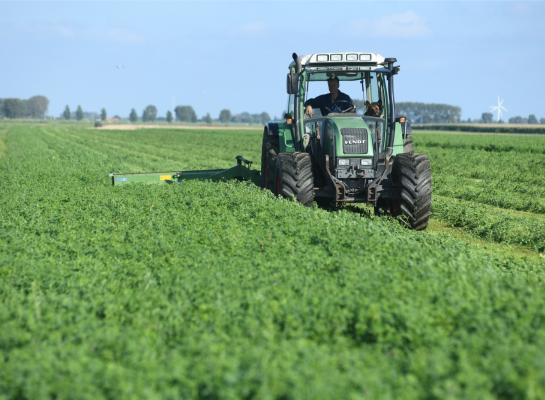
(333, 84)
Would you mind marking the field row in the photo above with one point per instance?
(491, 186)
(492, 223)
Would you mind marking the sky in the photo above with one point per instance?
(224, 54)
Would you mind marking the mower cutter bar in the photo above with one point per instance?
(241, 171)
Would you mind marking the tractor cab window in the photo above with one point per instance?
(361, 87)
(291, 105)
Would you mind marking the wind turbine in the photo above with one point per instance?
(498, 109)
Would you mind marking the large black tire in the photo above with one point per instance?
(413, 173)
(268, 162)
(294, 178)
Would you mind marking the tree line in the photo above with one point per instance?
(488, 118)
(418, 113)
(34, 107)
(426, 113)
(186, 113)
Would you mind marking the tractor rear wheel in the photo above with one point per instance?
(412, 172)
(294, 178)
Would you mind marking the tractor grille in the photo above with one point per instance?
(354, 140)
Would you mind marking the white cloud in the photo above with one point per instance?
(407, 24)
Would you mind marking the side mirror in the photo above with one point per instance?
(291, 83)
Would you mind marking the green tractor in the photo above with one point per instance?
(340, 156)
(345, 157)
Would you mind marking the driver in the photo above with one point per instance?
(334, 101)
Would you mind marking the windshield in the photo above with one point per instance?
(361, 87)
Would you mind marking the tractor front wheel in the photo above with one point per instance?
(412, 172)
(294, 178)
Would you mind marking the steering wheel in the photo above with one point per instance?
(342, 106)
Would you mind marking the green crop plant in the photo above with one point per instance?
(222, 290)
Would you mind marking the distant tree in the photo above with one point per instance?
(66, 114)
(2, 108)
(133, 116)
(517, 120)
(207, 118)
(150, 113)
(242, 118)
(532, 119)
(486, 117)
(15, 108)
(169, 116)
(185, 114)
(103, 115)
(37, 106)
(264, 117)
(225, 115)
(79, 113)
(542, 120)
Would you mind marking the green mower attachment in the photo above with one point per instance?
(242, 171)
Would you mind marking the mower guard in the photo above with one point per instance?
(241, 172)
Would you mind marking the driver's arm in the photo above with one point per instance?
(313, 103)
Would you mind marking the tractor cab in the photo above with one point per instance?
(367, 78)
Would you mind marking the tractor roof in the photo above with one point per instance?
(340, 57)
(347, 65)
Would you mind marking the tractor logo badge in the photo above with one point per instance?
(354, 141)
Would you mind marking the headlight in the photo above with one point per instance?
(344, 161)
(365, 161)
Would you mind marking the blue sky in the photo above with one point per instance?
(224, 54)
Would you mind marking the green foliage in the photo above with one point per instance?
(221, 290)
(247, 118)
(66, 113)
(484, 128)
(424, 113)
(79, 113)
(207, 118)
(34, 107)
(169, 116)
(149, 114)
(487, 117)
(37, 106)
(133, 116)
(492, 223)
(15, 108)
(489, 185)
(225, 116)
(103, 115)
(185, 114)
